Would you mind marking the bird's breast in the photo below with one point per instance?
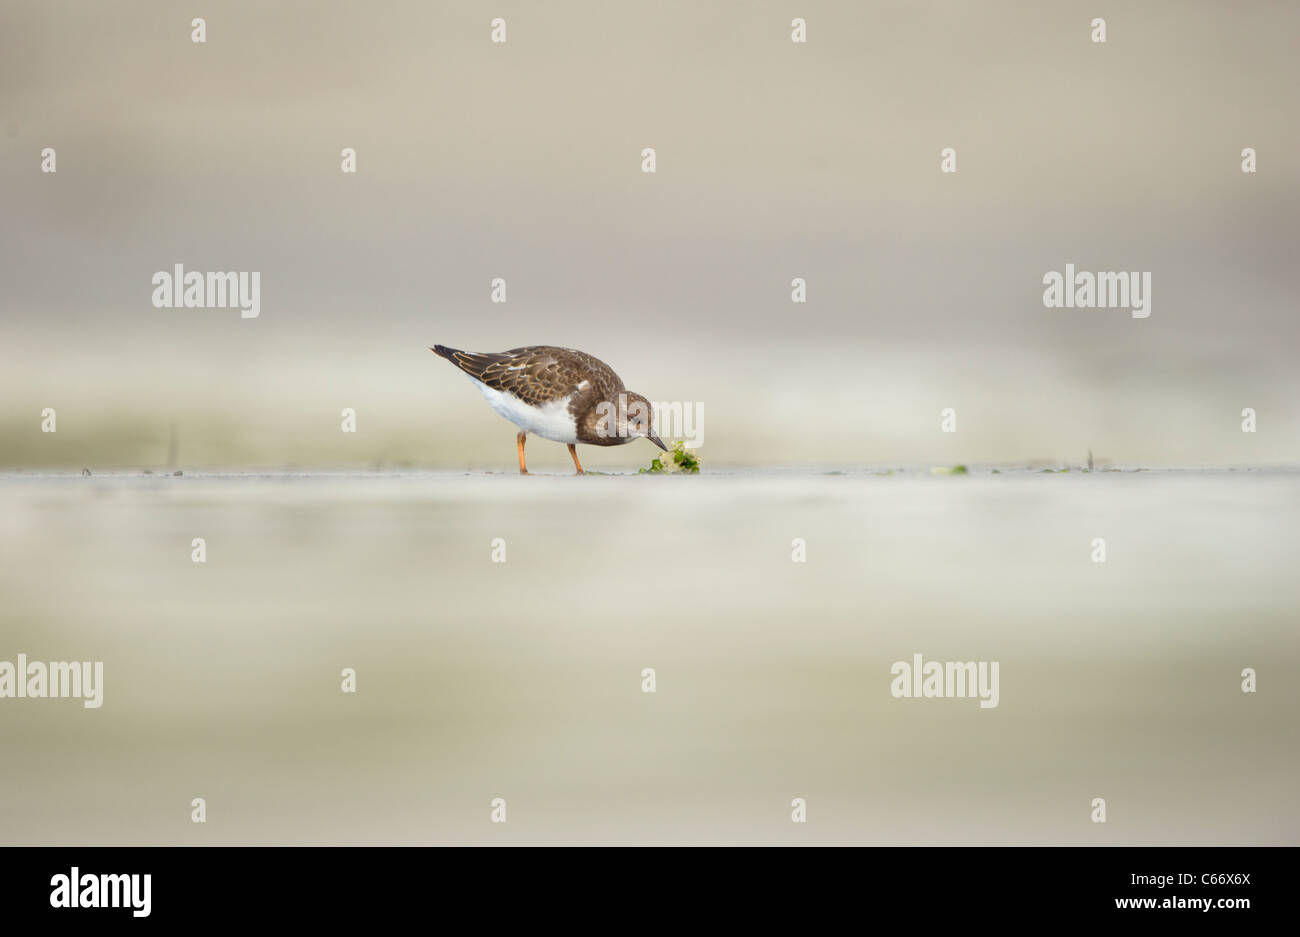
(551, 420)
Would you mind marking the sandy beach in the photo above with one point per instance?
(523, 679)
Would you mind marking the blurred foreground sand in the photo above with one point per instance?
(522, 680)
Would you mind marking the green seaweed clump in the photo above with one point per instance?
(678, 459)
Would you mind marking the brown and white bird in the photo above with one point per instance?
(559, 394)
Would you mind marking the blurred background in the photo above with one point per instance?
(775, 160)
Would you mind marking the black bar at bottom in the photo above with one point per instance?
(375, 885)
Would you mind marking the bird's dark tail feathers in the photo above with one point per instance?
(445, 352)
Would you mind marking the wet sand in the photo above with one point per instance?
(522, 679)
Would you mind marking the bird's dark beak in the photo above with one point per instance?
(657, 441)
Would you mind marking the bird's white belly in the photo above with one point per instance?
(551, 421)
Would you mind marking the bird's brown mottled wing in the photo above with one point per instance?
(539, 374)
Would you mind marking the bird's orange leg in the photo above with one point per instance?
(519, 438)
(573, 451)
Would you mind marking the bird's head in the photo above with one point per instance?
(632, 416)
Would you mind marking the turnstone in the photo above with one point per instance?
(559, 394)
